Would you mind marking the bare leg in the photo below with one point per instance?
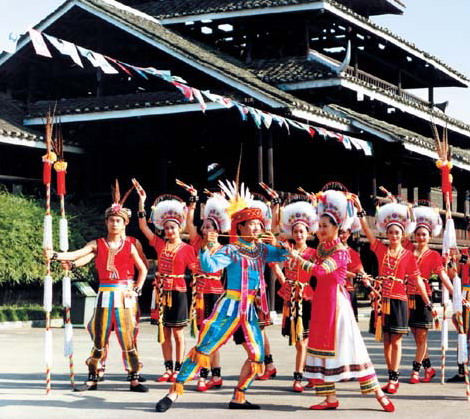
(179, 343)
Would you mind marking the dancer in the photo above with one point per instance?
(244, 260)
(428, 223)
(298, 221)
(174, 258)
(115, 259)
(209, 286)
(395, 264)
(336, 350)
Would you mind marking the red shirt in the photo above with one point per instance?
(429, 263)
(114, 265)
(172, 264)
(293, 272)
(207, 283)
(354, 266)
(404, 267)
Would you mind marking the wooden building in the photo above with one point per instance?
(321, 62)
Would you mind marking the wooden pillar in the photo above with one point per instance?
(260, 155)
(307, 37)
(399, 82)
(399, 173)
(431, 96)
(270, 160)
(424, 192)
(410, 192)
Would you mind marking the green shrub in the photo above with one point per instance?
(21, 231)
(24, 313)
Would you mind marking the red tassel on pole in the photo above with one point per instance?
(48, 160)
(61, 169)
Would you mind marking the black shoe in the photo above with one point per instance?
(86, 387)
(164, 404)
(139, 388)
(141, 378)
(457, 378)
(244, 406)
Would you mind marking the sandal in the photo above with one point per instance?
(429, 374)
(297, 387)
(166, 377)
(414, 379)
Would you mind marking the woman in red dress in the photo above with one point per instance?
(174, 258)
(428, 222)
(396, 265)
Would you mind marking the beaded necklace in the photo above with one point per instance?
(324, 250)
(251, 250)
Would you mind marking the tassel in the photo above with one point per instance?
(386, 306)
(462, 356)
(437, 323)
(46, 172)
(61, 169)
(161, 335)
(445, 335)
(47, 236)
(378, 328)
(292, 329)
(200, 302)
(68, 339)
(48, 349)
(47, 303)
(177, 388)
(202, 360)
(193, 327)
(299, 329)
(63, 235)
(66, 292)
(257, 367)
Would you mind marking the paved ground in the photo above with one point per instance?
(22, 392)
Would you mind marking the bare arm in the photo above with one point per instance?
(140, 251)
(90, 247)
(446, 281)
(364, 224)
(277, 271)
(141, 268)
(191, 228)
(143, 225)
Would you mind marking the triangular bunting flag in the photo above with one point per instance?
(39, 44)
(65, 48)
(97, 60)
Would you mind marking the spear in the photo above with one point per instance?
(60, 166)
(48, 160)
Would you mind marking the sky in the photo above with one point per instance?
(441, 28)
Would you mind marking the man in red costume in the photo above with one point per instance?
(115, 258)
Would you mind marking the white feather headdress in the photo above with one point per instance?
(258, 202)
(429, 218)
(299, 212)
(215, 209)
(168, 208)
(335, 204)
(395, 214)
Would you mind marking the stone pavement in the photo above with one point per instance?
(22, 389)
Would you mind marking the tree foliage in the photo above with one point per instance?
(21, 231)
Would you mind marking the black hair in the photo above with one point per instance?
(330, 219)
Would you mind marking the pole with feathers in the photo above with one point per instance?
(48, 160)
(60, 166)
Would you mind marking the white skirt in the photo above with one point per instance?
(352, 359)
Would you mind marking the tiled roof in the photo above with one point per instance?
(107, 103)
(213, 60)
(164, 9)
(400, 133)
(290, 70)
(11, 117)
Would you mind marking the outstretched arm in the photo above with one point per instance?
(90, 247)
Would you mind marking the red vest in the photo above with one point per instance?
(114, 265)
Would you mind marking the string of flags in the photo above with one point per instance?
(111, 65)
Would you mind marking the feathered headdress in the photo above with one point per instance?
(395, 213)
(215, 209)
(428, 218)
(352, 223)
(168, 208)
(336, 204)
(259, 202)
(299, 212)
(117, 208)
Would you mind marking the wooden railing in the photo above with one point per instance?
(384, 85)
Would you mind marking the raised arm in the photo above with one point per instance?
(277, 271)
(143, 225)
(364, 224)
